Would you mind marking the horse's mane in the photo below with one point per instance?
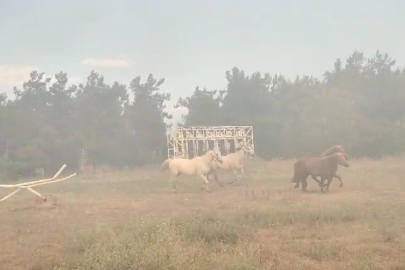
(334, 149)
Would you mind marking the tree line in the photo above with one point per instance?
(360, 104)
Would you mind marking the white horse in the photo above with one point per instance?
(233, 162)
(199, 166)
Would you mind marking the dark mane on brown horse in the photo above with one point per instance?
(325, 167)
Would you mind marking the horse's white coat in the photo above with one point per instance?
(233, 162)
(199, 166)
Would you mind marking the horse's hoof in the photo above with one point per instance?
(341, 185)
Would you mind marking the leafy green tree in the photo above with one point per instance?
(203, 108)
(247, 100)
(28, 114)
(375, 91)
(98, 119)
(145, 118)
(3, 119)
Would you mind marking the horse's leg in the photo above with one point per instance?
(322, 184)
(235, 175)
(328, 184)
(205, 182)
(340, 179)
(216, 179)
(313, 177)
(214, 173)
(301, 178)
(174, 183)
(242, 172)
(304, 184)
(297, 184)
(238, 177)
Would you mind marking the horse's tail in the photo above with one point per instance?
(295, 178)
(165, 164)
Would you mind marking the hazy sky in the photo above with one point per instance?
(191, 42)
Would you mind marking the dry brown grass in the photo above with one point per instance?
(131, 220)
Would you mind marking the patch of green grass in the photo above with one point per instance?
(321, 250)
(284, 216)
(197, 242)
(209, 228)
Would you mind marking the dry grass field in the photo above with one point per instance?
(132, 220)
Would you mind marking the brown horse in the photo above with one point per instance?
(325, 167)
(328, 152)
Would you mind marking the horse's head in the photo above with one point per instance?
(336, 149)
(341, 159)
(248, 152)
(216, 155)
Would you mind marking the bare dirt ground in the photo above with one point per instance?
(132, 220)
